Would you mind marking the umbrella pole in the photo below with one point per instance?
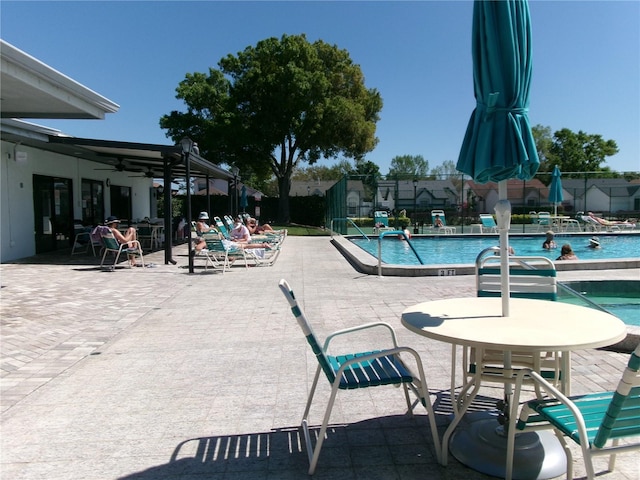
(503, 217)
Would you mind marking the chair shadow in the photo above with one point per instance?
(281, 453)
(363, 448)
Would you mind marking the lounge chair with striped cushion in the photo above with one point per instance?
(360, 370)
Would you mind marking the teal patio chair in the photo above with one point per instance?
(359, 370)
(111, 245)
(488, 223)
(596, 421)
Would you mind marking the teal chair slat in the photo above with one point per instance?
(351, 371)
(542, 272)
(622, 418)
(323, 360)
(385, 370)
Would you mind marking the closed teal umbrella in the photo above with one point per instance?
(555, 189)
(244, 202)
(498, 144)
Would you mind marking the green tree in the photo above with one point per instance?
(277, 104)
(320, 172)
(408, 167)
(369, 173)
(544, 140)
(572, 152)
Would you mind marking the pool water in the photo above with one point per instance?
(446, 249)
(619, 297)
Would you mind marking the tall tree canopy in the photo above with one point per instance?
(408, 167)
(274, 105)
(572, 152)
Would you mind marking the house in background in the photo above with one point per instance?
(603, 194)
(529, 194)
(424, 195)
(50, 179)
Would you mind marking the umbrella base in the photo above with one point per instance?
(480, 443)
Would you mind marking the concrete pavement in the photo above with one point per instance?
(157, 374)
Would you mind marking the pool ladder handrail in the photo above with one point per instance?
(352, 223)
(399, 233)
(524, 264)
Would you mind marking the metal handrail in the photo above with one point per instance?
(352, 223)
(395, 232)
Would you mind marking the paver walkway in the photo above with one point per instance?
(156, 374)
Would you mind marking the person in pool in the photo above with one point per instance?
(566, 253)
(594, 242)
(549, 243)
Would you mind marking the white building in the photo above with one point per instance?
(49, 179)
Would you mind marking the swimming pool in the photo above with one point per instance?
(619, 297)
(449, 249)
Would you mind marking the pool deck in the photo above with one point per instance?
(157, 374)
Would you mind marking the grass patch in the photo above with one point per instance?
(302, 230)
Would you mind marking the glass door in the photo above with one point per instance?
(92, 202)
(53, 213)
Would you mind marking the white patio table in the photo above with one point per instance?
(533, 326)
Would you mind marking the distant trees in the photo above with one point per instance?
(407, 167)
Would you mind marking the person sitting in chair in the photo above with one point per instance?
(254, 228)
(437, 222)
(240, 236)
(202, 228)
(128, 237)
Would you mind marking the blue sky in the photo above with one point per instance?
(586, 66)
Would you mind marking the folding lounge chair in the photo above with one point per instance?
(380, 221)
(445, 228)
(220, 251)
(488, 223)
(110, 244)
(359, 370)
(592, 420)
(222, 228)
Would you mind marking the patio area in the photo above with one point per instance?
(152, 373)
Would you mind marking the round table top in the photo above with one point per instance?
(533, 325)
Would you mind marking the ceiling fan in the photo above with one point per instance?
(118, 167)
(148, 174)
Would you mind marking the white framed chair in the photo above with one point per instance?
(529, 277)
(111, 245)
(544, 221)
(220, 251)
(380, 366)
(595, 421)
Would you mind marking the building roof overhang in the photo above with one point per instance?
(128, 156)
(31, 89)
